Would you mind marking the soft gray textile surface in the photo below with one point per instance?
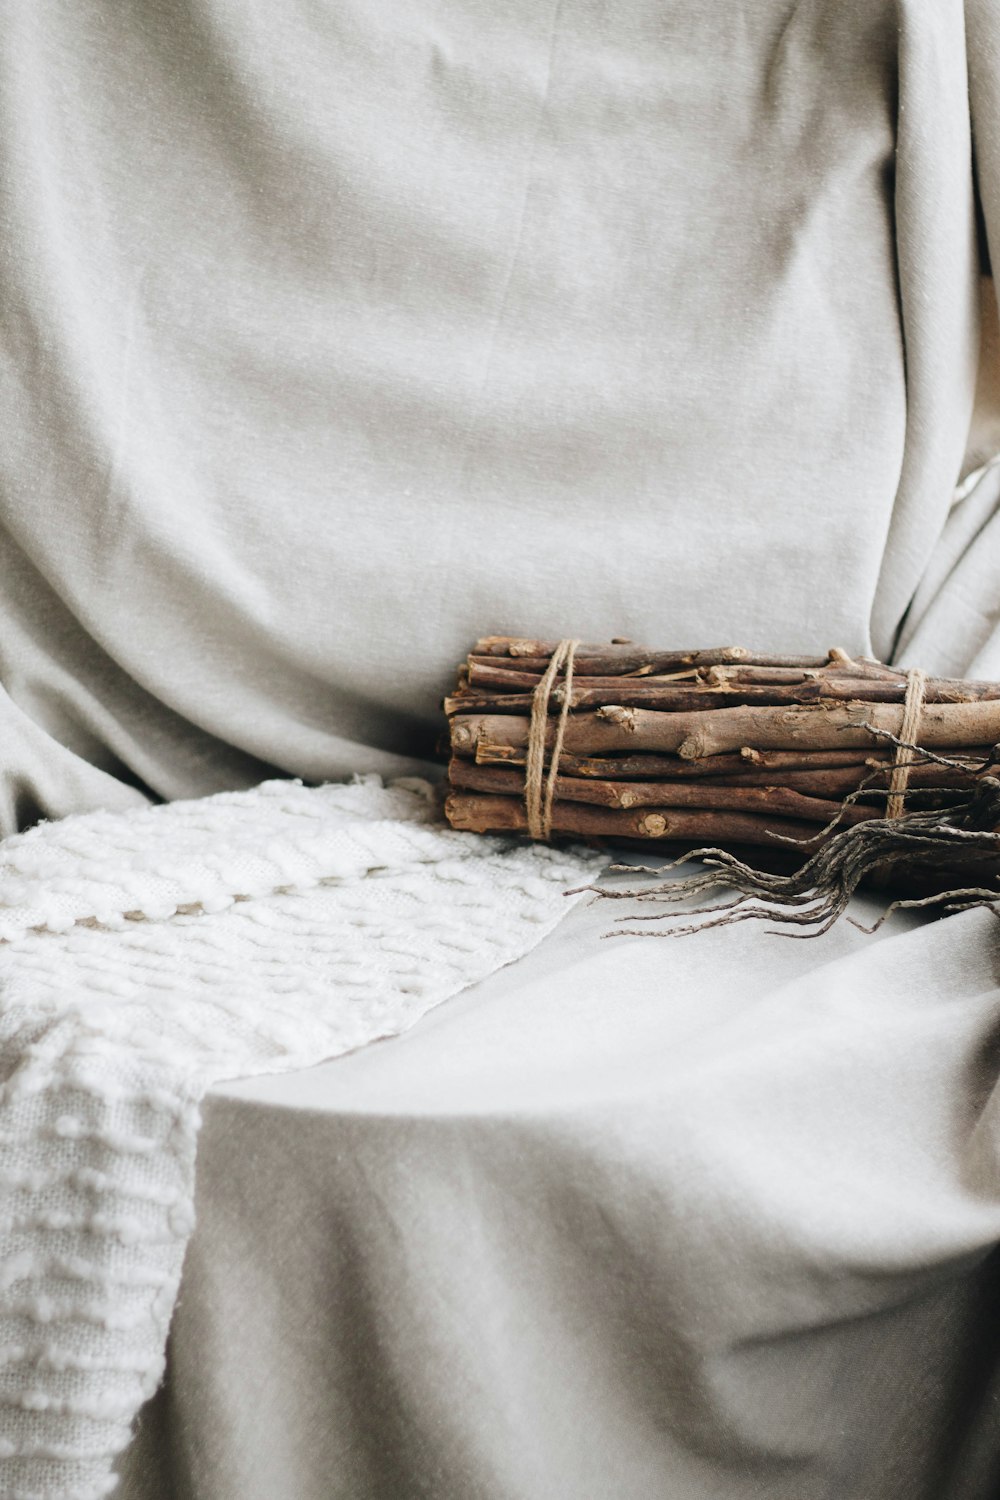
(333, 335)
(631, 1220)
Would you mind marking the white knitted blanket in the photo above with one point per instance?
(145, 956)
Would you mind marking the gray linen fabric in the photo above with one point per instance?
(336, 334)
(333, 335)
(631, 1220)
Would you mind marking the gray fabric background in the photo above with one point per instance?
(336, 334)
(631, 1220)
(333, 335)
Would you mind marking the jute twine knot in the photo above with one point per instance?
(913, 703)
(539, 789)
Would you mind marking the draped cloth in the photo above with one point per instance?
(332, 337)
(147, 955)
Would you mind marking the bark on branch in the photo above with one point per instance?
(693, 736)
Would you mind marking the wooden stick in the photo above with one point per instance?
(838, 782)
(521, 674)
(792, 760)
(475, 813)
(786, 685)
(626, 656)
(745, 762)
(833, 784)
(696, 735)
(696, 697)
(838, 666)
(777, 801)
(595, 666)
(830, 783)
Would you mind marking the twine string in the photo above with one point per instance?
(913, 703)
(539, 789)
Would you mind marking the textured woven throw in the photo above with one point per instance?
(146, 955)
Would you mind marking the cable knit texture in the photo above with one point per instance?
(145, 956)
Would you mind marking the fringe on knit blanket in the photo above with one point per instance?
(145, 956)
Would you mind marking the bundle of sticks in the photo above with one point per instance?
(793, 779)
(722, 745)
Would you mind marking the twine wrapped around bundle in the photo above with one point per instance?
(841, 768)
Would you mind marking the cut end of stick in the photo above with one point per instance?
(614, 713)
